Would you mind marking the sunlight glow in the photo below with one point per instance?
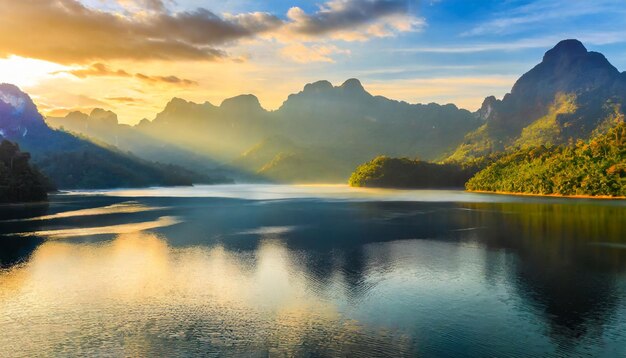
(26, 72)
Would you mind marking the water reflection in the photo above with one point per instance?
(121, 208)
(101, 230)
(199, 299)
(317, 277)
(568, 258)
(13, 252)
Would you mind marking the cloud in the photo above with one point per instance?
(151, 5)
(69, 32)
(125, 100)
(173, 80)
(355, 20)
(306, 54)
(100, 69)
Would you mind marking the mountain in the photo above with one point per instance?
(559, 131)
(102, 126)
(265, 151)
(364, 125)
(334, 128)
(73, 162)
(219, 132)
(565, 97)
(279, 159)
(318, 134)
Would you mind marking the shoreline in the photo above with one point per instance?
(598, 197)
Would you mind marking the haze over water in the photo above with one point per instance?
(312, 270)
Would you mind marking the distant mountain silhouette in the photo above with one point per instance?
(72, 162)
(279, 159)
(220, 132)
(335, 127)
(366, 125)
(102, 126)
(566, 96)
(330, 129)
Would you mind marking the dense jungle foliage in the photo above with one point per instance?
(19, 181)
(593, 167)
(386, 172)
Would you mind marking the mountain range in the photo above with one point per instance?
(74, 162)
(559, 131)
(324, 131)
(320, 133)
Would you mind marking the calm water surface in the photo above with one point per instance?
(262, 270)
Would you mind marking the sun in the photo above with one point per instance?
(26, 72)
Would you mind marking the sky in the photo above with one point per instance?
(133, 56)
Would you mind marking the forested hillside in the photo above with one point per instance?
(385, 172)
(73, 162)
(593, 167)
(565, 97)
(19, 181)
(559, 131)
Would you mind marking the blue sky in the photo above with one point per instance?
(447, 51)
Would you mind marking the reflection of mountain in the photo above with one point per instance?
(447, 273)
(565, 260)
(14, 251)
(72, 162)
(220, 301)
(320, 133)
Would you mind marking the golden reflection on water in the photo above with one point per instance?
(297, 284)
(277, 191)
(128, 207)
(68, 296)
(101, 230)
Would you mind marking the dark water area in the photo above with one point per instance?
(312, 271)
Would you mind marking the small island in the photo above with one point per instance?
(386, 172)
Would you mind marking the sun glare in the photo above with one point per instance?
(24, 72)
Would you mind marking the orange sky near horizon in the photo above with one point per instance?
(56, 92)
(134, 56)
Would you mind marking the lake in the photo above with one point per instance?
(271, 270)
